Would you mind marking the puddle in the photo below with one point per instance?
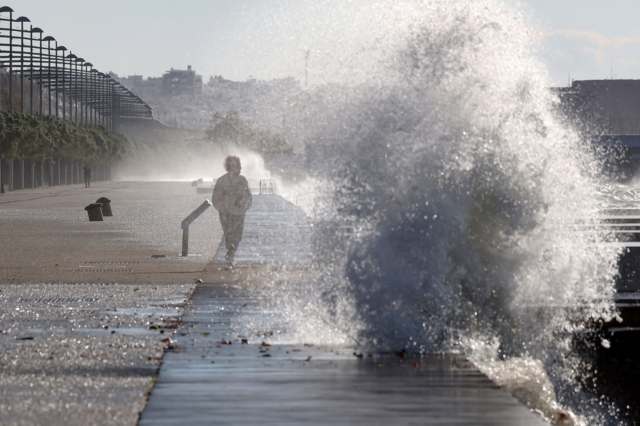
(146, 311)
(125, 331)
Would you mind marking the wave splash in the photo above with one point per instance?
(450, 200)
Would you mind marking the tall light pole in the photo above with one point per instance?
(81, 90)
(11, 82)
(37, 30)
(22, 20)
(71, 58)
(60, 49)
(7, 9)
(49, 39)
(88, 108)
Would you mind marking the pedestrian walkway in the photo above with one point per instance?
(47, 236)
(275, 231)
(214, 375)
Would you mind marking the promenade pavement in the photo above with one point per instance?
(88, 316)
(222, 372)
(47, 236)
(85, 310)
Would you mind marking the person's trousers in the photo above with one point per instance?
(232, 225)
(87, 181)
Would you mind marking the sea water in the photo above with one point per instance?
(444, 215)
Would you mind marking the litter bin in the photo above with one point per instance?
(95, 212)
(106, 206)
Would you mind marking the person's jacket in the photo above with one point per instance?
(231, 195)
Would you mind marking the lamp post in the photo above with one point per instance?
(102, 97)
(88, 118)
(22, 20)
(110, 97)
(7, 9)
(94, 97)
(31, 70)
(36, 30)
(81, 89)
(49, 39)
(116, 106)
(60, 49)
(39, 31)
(71, 58)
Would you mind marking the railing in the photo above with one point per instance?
(187, 221)
(267, 186)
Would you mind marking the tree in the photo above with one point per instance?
(29, 136)
(230, 129)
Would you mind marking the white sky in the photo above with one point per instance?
(591, 39)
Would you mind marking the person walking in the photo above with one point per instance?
(232, 198)
(87, 176)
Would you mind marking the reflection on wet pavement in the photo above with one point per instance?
(216, 376)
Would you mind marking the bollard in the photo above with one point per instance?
(95, 212)
(106, 206)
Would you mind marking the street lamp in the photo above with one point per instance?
(37, 30)
(22, 20)
(64, 113)
(102, 90)
(5, 9)
(8, 9)
(80, 85)
(49, 39)
(72, 95)
(95, 96)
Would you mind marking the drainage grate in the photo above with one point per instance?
(112, 266)
(23, 268)
(60, 300)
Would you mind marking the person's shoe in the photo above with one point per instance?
(229, 266)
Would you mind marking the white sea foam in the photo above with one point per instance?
(443, 211)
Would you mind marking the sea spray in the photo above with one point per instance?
(446, 210)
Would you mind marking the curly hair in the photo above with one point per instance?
(230, 161)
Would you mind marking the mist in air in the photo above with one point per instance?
(440, 184)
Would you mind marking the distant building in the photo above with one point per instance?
(148, 88)
(603, 106)
(181, 82)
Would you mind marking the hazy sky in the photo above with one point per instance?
(591, 39)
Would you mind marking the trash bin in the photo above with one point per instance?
(106, 206)
(95, 212)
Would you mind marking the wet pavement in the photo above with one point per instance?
(89, 309)
(82, 354)
(85, 310)
(52, 239)
(275, 232)
(217, 375)
(212, 377)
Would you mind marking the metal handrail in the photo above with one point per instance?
(187, 221)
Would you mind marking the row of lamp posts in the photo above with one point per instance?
(73, 87)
